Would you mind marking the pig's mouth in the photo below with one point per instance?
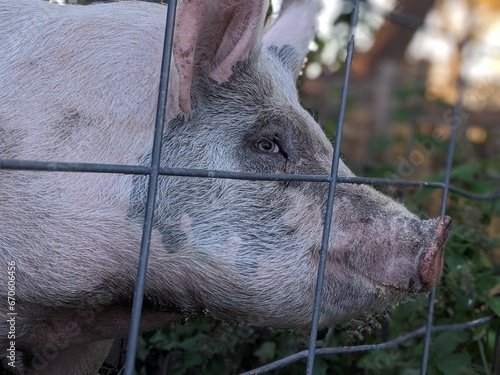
(396, 292)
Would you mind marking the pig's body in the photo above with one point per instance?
(80, 84)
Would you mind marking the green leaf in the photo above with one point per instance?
(485, 283)
(192, 360)
(445, 343)
(410, 371)
(142, 350)
(215, 367)
(377, 360)
(454, 261)
(494, 303)
(455, 364)
(320, 366)
(465, 172)
(190, 344)
(162, 341)
(266, 352)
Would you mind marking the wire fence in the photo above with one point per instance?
(154, 170)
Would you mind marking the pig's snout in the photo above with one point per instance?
(431, 263)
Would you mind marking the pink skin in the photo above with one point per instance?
(431, 264)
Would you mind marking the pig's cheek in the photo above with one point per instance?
(334, 270)
(230, 255)
(304, 217)
(230, 251)
(186, 225)
(186, 228)
(289, 284)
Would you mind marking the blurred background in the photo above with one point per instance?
(410, 55)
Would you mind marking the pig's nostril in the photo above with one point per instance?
(446, 222)
(431, 264)
(443, 227)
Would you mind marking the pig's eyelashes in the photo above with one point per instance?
(268, 145)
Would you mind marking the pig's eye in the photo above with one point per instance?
(267, 145)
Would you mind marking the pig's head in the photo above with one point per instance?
(247, 250)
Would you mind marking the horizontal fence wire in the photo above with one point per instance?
(364, 348)
(155, 170)
(47, 166)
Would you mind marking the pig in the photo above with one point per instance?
(80, 83)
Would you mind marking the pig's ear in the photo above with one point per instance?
(211, 36)
(290, 30)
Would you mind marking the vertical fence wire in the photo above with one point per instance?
(455, 123)
(331, 196)
(152, 188)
